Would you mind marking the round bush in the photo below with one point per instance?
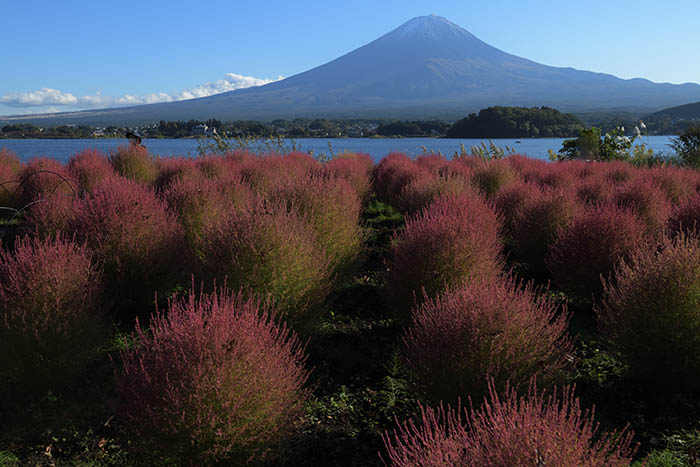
(510, 202)
(594, 190)
(216, 378)
(545, 213)
(647, 200)
(273, 252)
(356, 169)
(535, 429)
(587, 250)
(393, 173)
(452, 241)
(492, 175)
(41, 178)
(90, 168)
(265, 173)
(686, 216)
(174, 168)
(650, 314)
(485, 330)
(9, 159)
(423, 190)
(8, 187)
(135, 163)
(333, 208)
(137, 239)
(50, 314)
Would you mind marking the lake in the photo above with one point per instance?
(63, 149)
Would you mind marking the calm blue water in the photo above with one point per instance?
(63, 149)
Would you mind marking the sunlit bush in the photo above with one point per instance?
(135, 163)
(89, 168)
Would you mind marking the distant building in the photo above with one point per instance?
(200, 130)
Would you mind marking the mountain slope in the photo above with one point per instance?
(426, 68)
(682, 112)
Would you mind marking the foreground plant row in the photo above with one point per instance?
(207, 303)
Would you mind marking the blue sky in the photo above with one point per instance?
(67, 55)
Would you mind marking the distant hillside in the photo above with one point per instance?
(426, 68)
(682, 112)
(516, 122)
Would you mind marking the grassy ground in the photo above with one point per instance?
(359, 389)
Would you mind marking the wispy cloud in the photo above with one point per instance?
(54, 97)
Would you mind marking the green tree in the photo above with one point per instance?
(687, 145)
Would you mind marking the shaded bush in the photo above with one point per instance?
(510, 430)
(89, 168)
(135, 163)
(432, 162)
(174, 168)
(215, 378)
(9, 159)
(51, 216)
(594, 190)
(587, 250)
(485, 329)
(41, 178)
(50, 314)
(647, 200)
(137, 239)
(676, 183)
(510, 202)
(650, 314)
(535, 229)
(271, 251)
(423, 190)
(686, 216)
(333, 208)
(454, 240)
(492, 175)
(8, 187)
(618, 172)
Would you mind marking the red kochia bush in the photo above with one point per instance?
(9, 168)
(135, 163)
(587, 250)
(135, 237)
(356, 169)
(265, 173)
(174, 168)
(647, 200)
(50, 317)
(676, 183)
(650, 314)
(423, 190)
(272, 251)
(215, 378)
(534, 230)
(89, 168)
(393, 173)
(9, 159)
(510, 430)
(485, 329)
(510, 202)
(333, 208)
(686, 216)
(41, 178)
(453, 240)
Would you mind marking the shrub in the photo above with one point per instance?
(393, 173)
(271, 251)
(52, 215)
(587, 250)
(510, 202)
(452, 241)
(8, 186)
(594, 190)
(90, 167)
(356, 169)
(134, 163)
(9, 159)
(216, 167)
(492, 175)
(215, 378)
(686, 216)
(534, 429)
(50, 314)
(137, 239)
(333, 208)
(560, 176)
(650, 314)
(687, 146)
(263, 174)
(618, 172)
(676, 183)
(41, 178)
(432, 162)
(174, 168)
(485, 329)
(423, 190)
(545, 213)
(647, 200)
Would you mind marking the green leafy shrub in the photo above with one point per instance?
(216, 378)
(490, 176)
(135, 163)
(687, 146)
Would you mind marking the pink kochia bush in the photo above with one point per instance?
(356, 169)
(50, 314)
(650, 314)
(135, 163)
(41, 178)
(452, 241)
(89, 168)
(647, 200)
(587, 250)
(492, 329)
(9, 169)
(135, 236)
(393, 173)
(536, 429)
(272, 251)
(423, 190)
(215, 378)
(686, 216)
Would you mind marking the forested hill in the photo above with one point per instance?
(516, 122)
(682, 112)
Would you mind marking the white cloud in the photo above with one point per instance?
(54, 97)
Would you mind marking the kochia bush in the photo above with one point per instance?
(507, 430)
(647, 200)
(650, 314)
(135, 163)
(492, 175)
(393, 173)
(50, 313)
(9, 169)
(356, 169)
(686, 216)
(215, 378)
(272, 251)
(41, 178)
(454, 240)
(485, 329)
(89, 168)
(587, 250)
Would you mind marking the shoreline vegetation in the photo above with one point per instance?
(492, 122)
(304, 312)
